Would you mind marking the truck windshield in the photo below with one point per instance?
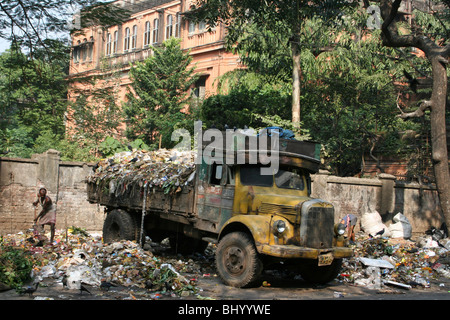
(251, 176)
(290, 178)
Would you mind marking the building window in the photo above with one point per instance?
(191, 27)
(84, 51)
(134, 38)
(126, 41)
(201, 26)
(147, 34)
(199, 91)
(155, 30)
(91, 48)
(177, 25)
(77, 52)
(116, 41)
(169, 26)
(108, 44)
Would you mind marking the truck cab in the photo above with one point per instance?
(264, 218)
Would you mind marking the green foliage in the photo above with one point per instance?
(15, 266)
(111, 146)
(159, 93)
(348, 98)
(35, 23)
(32, 94)
(244, 94)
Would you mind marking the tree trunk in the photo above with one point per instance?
(439, 135)
(438, 56)
(296, 84)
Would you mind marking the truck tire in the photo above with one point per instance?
(237, 260)
(119, 225)
(311, 272)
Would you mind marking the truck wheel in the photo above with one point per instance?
(237, 260)
(311, 272)
(119, 225)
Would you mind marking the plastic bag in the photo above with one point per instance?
(401, 228)
(371, 223)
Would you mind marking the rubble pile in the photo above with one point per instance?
(77, 259)
(397, 262)
(166, 169)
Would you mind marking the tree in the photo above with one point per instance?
(437, 52)
(33, 23)
(33, 96)
(282, 17)
(243, 94)
(159, 93)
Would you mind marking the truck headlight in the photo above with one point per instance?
(280, 226)
(339, 229)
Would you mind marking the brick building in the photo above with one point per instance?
(100, 51)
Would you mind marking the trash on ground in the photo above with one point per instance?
(85, 260)
(397, 262)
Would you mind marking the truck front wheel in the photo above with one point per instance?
(237, 260)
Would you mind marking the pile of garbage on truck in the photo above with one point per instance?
(166, 169)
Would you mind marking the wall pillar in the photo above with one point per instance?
(386, 204)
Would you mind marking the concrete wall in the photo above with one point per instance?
(419, 203)
(20, 180)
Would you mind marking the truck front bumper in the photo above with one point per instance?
(291, 251)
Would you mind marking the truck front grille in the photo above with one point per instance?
(317, 227)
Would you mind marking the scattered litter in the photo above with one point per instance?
(380, 263)
(401, 285)
(398, 262)
(85, 259)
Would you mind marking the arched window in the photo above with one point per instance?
(177, 25)
(126, 40)
(108, 44)
(116, 41)
(201, 26)
(134, 37)
(155, 30)
(147, 34)
(84, 52)
(169, 26)
(191, 27)
(91, 48)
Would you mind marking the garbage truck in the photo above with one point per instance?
(255, 215)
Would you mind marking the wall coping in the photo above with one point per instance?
(375, 182)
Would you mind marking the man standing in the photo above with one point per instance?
(47, 214)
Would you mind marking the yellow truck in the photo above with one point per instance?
(256, 219)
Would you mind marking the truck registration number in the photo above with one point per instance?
(325, 259)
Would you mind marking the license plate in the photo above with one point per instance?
(325, 259)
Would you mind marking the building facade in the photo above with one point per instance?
(102, 52)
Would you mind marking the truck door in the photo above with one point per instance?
(215, 195)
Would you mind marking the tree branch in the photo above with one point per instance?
(419, 112)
